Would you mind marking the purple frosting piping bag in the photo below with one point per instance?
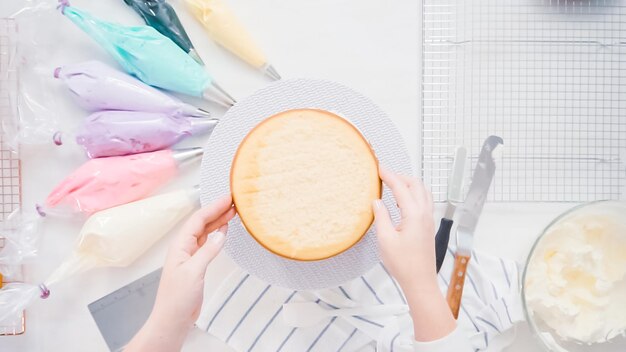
(115, 133)
(97, 86)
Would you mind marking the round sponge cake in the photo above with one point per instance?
(303, 182)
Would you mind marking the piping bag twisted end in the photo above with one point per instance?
(45, 292)
(57, 138)
(40, 210)
(62, 5)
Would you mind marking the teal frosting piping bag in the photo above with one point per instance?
(150, 56)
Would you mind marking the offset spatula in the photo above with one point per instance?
(455, 185)
(469, 215)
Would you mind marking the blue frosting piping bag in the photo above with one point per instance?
(161, 15)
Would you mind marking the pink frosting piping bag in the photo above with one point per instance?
(103, 183)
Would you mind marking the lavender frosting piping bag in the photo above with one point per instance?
(150, 56)
(97, 86)
(161, 15)
(116, 133)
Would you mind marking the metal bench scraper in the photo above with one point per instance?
(120, 314)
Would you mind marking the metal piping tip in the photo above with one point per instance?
(201, 113)
(271, 72)
(190, 110)
(203, 125)
(186, 155)
(194, 193)
(194, 55)
(216, 94)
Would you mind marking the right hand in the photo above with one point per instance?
(408, 249)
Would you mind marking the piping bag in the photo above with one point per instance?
(97, 86)
(224, 27)
(116, 133)
(114, 237)
(150, 56)
(20, 242)
(107, 182)
(161, 15)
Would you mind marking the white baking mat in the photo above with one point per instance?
(240, 119)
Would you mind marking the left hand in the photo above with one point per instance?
(179, 298)
(408, 251)
(408, 248)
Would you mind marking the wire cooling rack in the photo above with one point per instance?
(10, 178)
(547, 76)
(9, 160)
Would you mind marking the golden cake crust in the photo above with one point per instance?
(303, 182)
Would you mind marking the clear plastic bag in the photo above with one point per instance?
(21, 234)
(16, 296)
(36, 107)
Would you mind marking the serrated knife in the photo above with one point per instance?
(468, 219)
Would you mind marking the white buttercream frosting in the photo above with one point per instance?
(576, 278)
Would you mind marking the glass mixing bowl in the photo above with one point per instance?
(613, 210)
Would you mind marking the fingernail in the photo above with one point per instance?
(217, 237)
(377, 204)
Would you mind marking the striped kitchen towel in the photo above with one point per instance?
(245, 312)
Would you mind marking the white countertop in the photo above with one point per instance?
(371, 46)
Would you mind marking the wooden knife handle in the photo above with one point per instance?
(455, 290)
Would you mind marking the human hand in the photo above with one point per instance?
(179, 297)
(408, 252)
(408, 249)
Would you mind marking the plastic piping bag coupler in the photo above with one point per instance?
(116, 237)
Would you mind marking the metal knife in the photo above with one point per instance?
(455, 185)
(468, 219)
